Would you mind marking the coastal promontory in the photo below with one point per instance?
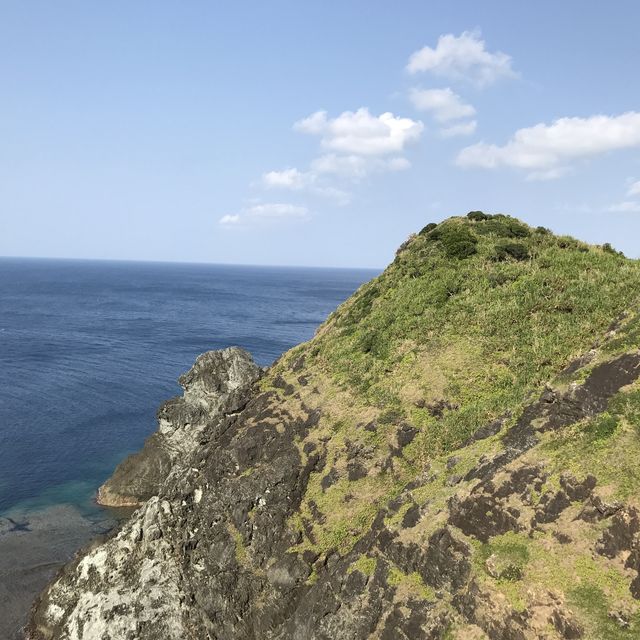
(455, 454)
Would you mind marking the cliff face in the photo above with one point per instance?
(455, 454)
(216, 386)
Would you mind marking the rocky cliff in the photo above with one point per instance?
(454, 455)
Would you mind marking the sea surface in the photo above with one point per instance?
(89, 350)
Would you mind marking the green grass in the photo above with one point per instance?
(590, 600)
(489, 331)
(365, 565)
(479, 312)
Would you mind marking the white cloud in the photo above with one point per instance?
(358, 144)
(272, 211)
(314, 124)
(443, 104)
(361, 133)
(331, 167)
(308, 181)
(230, 219)
(628, 206)
(355, 167)
(544, 148)
(634, 189)
(461, 129)
(462, 57)
(288, 179)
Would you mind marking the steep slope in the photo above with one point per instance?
(455, 454)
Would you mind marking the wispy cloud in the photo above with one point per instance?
(356, 167)
(463, 57)
(271, 211)
(308, 181)
(628, 206)
(277, 210)
(634, 189)
(443, 104)
(229, 219)
(287, 178)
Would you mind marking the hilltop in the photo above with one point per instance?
(455, 454)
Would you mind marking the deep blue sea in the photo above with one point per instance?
(89, 350)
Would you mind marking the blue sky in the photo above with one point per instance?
(311, 133)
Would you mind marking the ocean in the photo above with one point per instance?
(90, 349)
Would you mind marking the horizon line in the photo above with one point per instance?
(194, 263)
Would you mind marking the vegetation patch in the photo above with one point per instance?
(594, 608)
(365, 565)
(457, 241)
(505, 557)
(411, 582)
(515, 250)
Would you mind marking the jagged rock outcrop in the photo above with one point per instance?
(453, 455)
(216, 385)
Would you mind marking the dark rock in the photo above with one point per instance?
(446, 562)
(562, 538)
(452, 462)
(309, 447)
(330, 479)
(566, 625)
(520, 481)
(356, 471)
(597, 509)
(288, 571)
(487, 430)
(437, 408)
(411, 517)
(298, 364)
(405, 435)
(575, 490)
(551, 506)
(621, 533)
(482, 515)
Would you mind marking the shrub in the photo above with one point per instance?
(506, 227)
(566, 242)
(430, 227)
(391, 416)
(457, 241)
(515, 250)
(367, 342)
(498, 279)
(543, 231)
(602, 427)
(606, 247)
(477, 216)
(361, 306)
(405, 245)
